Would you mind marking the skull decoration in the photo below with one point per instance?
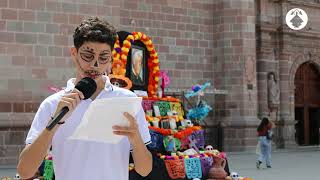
(188, 123)
(209, 148)
(17, 176)
(174, 113)
(234, 176)
(120, 81)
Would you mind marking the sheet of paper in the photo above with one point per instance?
(141, 93)
(102, 114)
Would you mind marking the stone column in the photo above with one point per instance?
(235, 71)
(286, 123)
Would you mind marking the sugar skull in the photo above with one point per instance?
(209, 148)
(188, 123)
(234, 176)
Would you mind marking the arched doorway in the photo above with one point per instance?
(307, 104)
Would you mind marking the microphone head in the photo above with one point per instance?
(87, 86)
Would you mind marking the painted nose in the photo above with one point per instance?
(96, 64)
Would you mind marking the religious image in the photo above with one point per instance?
(137, 68)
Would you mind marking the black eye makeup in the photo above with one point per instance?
(104, 58)
(88, 55)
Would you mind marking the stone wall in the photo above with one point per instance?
(36, 36)
(235, 70)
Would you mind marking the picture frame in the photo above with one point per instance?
(165, 124)
(138, 66)
(136, 45)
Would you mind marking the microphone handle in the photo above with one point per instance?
(55, 120)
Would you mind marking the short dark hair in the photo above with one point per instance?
(94, 29)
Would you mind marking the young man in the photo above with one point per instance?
(83, 160)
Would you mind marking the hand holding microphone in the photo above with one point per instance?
(83, 90)
(70, 101)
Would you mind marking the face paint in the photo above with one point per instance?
(93, 59)
(93, 74)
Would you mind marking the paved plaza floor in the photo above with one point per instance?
(286, 165)
(292, 165)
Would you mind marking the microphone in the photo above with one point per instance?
(87, 86)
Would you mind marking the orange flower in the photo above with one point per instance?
(153, 62)
(180, 135)
(118, 68)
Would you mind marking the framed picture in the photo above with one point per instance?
(138, 68)
(165, 123)
(137, 63)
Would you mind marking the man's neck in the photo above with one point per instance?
(95, 94)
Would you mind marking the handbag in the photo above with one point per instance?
(269, 135)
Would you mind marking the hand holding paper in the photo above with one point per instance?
(131, 131)
(104, 114)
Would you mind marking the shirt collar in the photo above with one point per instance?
(71, 85)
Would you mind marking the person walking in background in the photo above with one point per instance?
(265, 134)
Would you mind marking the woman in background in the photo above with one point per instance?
(265, 134)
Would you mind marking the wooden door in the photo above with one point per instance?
(307, 102)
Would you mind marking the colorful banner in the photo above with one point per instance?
(175, 168)
(147, 105)
(198, 137)
(193, 168)
(48, 170)
(156, 140)
(164, 107)
(176, 106)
